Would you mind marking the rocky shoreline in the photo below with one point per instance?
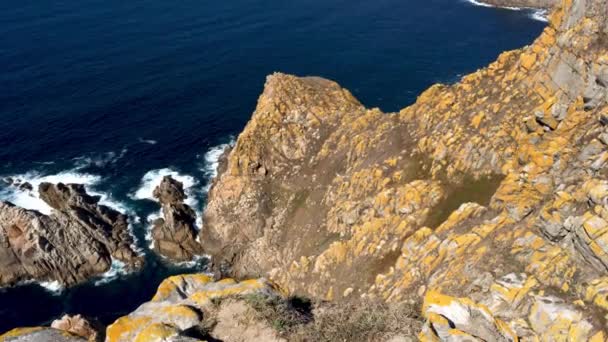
(484, 205)
(77, 241)
(539, 4)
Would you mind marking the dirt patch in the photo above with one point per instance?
(298, 319)
(479, 191)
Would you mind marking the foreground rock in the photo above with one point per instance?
(175, 234)
(184, 306)
(488, 196)
(77, 241)
(40, 334)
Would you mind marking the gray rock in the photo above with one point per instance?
(175, 234)
(77, 241)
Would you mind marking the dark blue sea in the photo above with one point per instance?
(115, 94)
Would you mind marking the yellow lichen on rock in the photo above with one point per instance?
(180, 306)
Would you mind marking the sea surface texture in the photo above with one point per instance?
(116, 94)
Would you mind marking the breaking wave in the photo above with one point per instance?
(535, 14)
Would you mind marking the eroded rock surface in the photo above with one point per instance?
(175, 234)
(39, 334)
(492, 191)
(77, 241)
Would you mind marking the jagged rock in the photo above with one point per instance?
(26, 187)
(460, 319)
(79, 326)
(77, 241)
(175, 234)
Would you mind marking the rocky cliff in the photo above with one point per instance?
(77, 241)
(488, 196)
(485, 204)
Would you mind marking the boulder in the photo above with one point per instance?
(79, 326)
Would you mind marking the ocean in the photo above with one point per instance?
(115, 94)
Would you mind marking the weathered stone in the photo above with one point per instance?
(79, 326)
(183, 303)
(77, 241)
(175, 235)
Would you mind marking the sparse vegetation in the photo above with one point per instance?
(302, 321)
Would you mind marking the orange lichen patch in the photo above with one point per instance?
(169, 285)
(461, 317)
(126, 328)
(156, 333)
(597, 293)
(202, 298)
(19, 332)
(514, 293)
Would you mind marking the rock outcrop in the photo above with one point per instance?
(39, 334)
(191, 308)
(66, 329)
(77, 241)
(488, 196)
(175, 234)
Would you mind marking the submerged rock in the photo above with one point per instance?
(77, 241)
(175, 234)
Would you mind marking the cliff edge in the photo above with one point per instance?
(489, 195)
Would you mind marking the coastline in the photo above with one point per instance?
(539, 13)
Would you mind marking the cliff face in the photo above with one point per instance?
(489, 195)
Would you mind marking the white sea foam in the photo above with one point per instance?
(153, 178)
(536, 14)
(31, 200)
(477, 3)
(540, 15)
(212, 159)
(53, 287)
(197, 261)
(116, 270)
(150, 220)
(100, 160)
(147, 141)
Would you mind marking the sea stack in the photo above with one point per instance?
(175, 234)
